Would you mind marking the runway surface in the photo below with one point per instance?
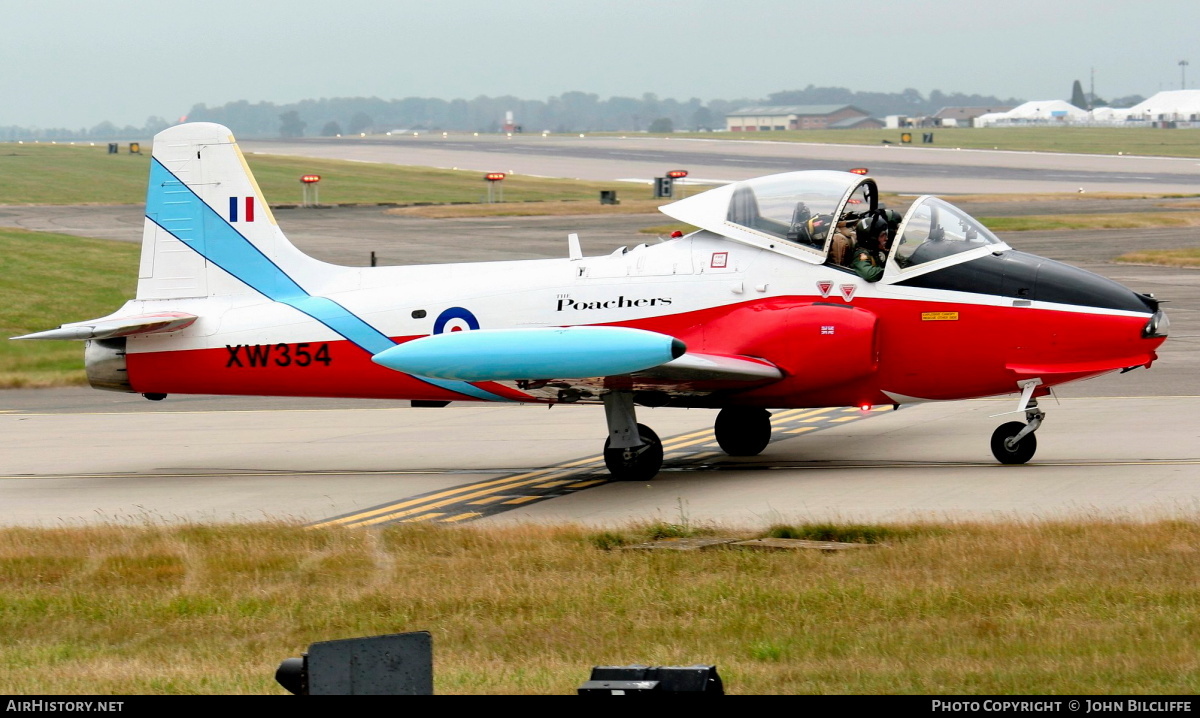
(1121, 445)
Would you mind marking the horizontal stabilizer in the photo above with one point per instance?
(541, 353)
(109, 327)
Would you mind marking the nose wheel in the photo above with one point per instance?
(1008, 449)
(1014, 442)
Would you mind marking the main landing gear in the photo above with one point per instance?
(1014, 442)
(743, 430)
(633, 452)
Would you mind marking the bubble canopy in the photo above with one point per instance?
(798, 213)
(790, 212)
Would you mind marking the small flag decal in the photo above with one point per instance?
(233, 209)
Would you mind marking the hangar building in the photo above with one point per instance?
(799, 117)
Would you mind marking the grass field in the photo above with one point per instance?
(1114, 220)
(1022, 608)
(49, 279)
(71, 174)
(1084, 140)
(82, 174)
(1186, 258)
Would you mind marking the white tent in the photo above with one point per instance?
(990, 118)
(1168, 105)
(1035, 111)
(1047, 110)
(1108, 114)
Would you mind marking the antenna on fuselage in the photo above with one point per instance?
(573, 250)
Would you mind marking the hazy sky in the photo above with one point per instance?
(75, 63)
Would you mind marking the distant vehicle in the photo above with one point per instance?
(751, 312)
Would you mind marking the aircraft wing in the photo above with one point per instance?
(110, 327)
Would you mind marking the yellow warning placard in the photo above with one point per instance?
(939, 316)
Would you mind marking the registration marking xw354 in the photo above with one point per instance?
(257, 356)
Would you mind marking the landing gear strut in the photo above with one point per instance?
(632, 452)
(743, 431)
(1014, 442)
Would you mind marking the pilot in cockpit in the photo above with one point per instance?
(875, 234)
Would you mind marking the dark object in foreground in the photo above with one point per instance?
(626, 680)
(399, 664)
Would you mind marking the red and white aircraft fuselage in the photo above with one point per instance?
(749, 313)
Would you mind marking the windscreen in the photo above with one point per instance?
(934, 229)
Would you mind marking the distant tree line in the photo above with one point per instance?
(106, 131)
(568, 112)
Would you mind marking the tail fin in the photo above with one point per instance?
(208, 230)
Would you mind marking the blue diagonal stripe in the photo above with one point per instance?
(172, 205)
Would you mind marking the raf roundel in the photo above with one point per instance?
(455, 319)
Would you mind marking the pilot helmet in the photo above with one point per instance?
(893, 219)
(869, 228)
(800, 214)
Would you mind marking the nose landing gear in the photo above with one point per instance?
(1014, 442)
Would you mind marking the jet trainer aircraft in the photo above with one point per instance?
(751, 312)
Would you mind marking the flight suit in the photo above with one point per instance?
(841, 247)
(869, 263)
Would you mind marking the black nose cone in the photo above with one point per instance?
(1030, 277)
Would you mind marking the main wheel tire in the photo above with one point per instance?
(743, 431)
(641, 463)
(1021, 452)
